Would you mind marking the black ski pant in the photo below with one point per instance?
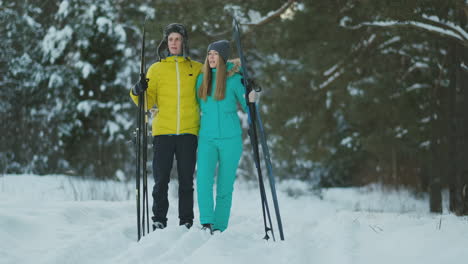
(184, 147)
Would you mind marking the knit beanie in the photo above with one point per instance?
(222, 47)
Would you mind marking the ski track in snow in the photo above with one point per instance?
(41, 223)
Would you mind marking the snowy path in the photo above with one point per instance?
(41, 223)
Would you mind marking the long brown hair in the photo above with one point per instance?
(205, 88)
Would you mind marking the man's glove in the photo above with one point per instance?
(140, 87)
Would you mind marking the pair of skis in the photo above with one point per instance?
(141, 151)
(255, 122)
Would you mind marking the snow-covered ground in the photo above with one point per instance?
(58, 219)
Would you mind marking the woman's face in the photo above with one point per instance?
(213, 58)
(175, 43)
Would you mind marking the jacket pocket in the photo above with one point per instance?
(231, 124)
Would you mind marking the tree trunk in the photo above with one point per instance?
(435, 194)
(454, 190)
(394, 167)
(461, 55)
(463, 82)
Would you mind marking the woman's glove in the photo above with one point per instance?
(252, 96)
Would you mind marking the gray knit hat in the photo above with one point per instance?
(222, 47)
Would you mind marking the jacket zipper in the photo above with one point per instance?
(178, 95)
(219, 123)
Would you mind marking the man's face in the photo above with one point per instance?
(175, 43)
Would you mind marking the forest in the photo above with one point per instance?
(353, 91)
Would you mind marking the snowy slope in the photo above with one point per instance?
(55, 219)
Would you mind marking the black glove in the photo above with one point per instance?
(140, 87)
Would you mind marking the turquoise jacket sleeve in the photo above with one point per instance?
(239, 91)
(199, 82)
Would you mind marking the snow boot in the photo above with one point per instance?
(158, 225)
(208, 227)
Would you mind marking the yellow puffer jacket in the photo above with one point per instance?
(171, 87)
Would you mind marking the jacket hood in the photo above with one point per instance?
(233, 66)
(163, 50)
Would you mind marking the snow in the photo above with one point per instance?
(425, 144)
(236, 11)
(90, 12)
(449, 24)
(331, 79)
(347, 141)
(345, 20)
(64, 9)
(120, 31)
(59, 219)
(417, 86)
(148, 10)
(55, 80)
(112, 128)
(463, 65)
(24, 60)
(332, 69)
(55, 42)
(86, 68)
(425, 120)
(400, 132)
(354, 91)
(104, 24)
(84, 107)
(294, 121)
(389, 42)
(421, 25)
(350, 141)
(329, 99)
(123, 121)
(418, 65)
(31, 22)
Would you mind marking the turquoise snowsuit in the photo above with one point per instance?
(219, 143)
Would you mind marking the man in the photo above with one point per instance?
(171, 87)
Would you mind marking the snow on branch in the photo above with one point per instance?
(339, 68)
(271, 15)
(437, 26)
(464, 66)
(254, 22)
(332, 78)
(456, 28)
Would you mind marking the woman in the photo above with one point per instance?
(219, 91)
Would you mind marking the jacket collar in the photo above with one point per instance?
(175, 58)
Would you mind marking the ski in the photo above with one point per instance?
(254, 121)
(266, 156)
(141, 150)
